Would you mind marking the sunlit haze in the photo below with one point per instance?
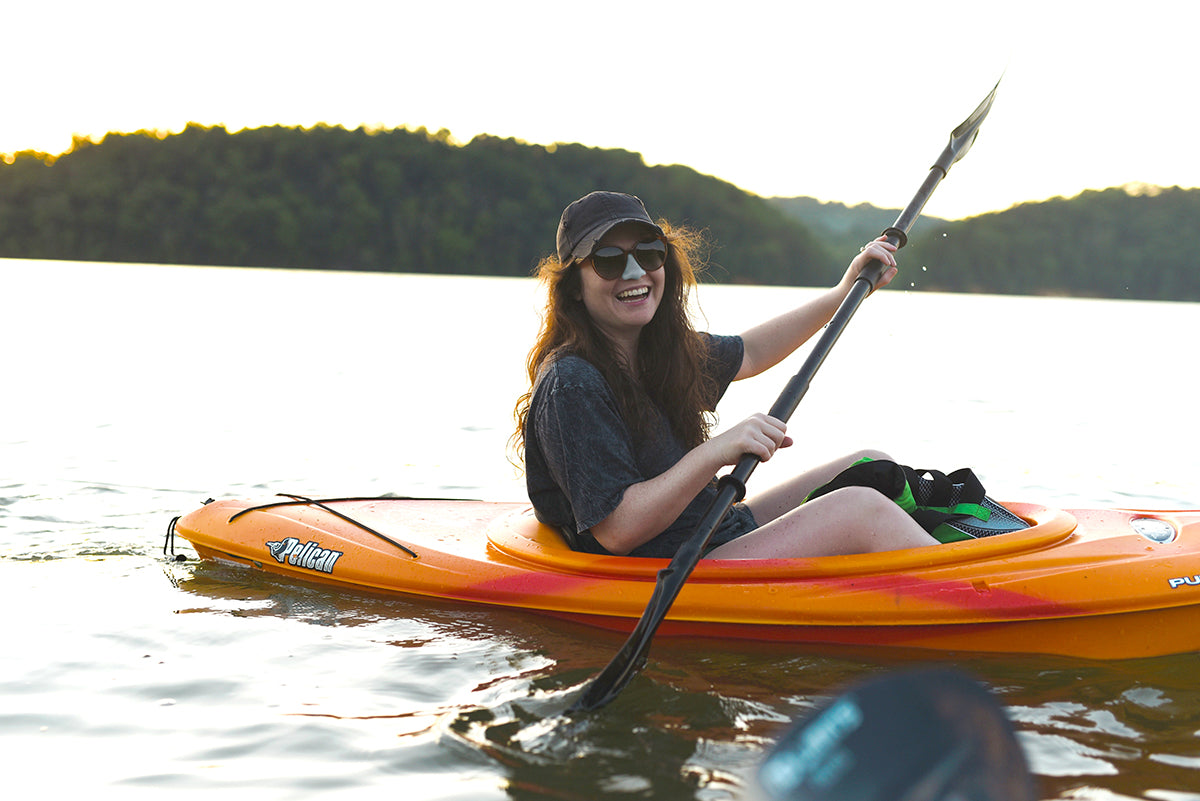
(848, 102)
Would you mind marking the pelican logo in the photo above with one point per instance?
(310, 556)
(1184, 581)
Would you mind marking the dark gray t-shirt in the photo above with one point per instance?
(580, 456)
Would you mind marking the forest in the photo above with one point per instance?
(416, 201)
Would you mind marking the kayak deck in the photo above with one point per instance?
(1082, 583)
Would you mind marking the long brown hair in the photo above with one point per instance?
(671, 355)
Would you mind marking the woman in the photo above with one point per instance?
(614, 429)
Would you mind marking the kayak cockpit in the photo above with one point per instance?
(522, 538)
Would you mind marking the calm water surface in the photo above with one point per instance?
(132, 393)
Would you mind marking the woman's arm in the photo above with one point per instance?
(769, 343)
(650, 507)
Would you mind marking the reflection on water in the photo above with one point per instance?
(137, 392)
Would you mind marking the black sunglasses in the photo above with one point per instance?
(609, 262)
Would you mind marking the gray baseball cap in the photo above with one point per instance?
(586, 220)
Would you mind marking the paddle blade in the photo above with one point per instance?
(931, 735)
(632, 656)
(962, 137)
(608, 685)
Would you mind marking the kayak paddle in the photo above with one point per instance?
(732, 487)
(925, 735)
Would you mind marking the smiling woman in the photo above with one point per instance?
(614, 428)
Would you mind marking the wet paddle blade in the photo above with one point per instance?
(962, 137)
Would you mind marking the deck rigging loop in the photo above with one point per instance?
(300, 500)
(169, 541)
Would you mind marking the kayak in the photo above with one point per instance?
(1098, 584)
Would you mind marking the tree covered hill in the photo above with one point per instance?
(395, 200)
(1114, 243)
(844, 228)
(414, 201)
(1127, 242)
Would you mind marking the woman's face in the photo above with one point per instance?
(620, 307)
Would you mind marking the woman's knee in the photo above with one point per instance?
(865, 501)
(869, 453)
(874, 522)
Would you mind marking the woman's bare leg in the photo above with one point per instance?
(848, 520)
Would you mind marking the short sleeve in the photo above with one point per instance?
(725, 354)
(580, 456)
(582, 444)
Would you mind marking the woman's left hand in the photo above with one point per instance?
(880, 249)
(770, 342)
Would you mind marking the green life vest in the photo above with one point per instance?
(951, 507)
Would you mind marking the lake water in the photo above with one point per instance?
(132, 393)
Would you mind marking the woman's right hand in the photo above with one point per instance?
(648, 507)
(760, 435)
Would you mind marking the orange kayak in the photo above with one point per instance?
(1101, 584)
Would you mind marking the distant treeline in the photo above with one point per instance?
(1117, 243)
(414, 201)
(393, 200)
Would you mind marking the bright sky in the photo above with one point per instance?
(840, 101)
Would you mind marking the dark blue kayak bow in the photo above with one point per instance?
(924, 735)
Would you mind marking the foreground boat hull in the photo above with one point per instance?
(1082, 583)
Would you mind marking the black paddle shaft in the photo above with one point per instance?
(732, 486)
